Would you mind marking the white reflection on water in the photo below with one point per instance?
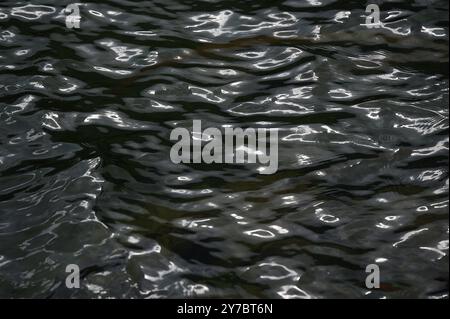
(290, 274)
(32, 12)
(293, 292)
(409, 235)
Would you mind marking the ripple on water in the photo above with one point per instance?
(86, 177)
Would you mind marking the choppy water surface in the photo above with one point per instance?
(86, 177)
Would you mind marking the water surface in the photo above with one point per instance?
(86, 177)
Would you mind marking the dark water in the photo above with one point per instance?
(86, 177)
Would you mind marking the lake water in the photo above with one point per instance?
(86, 177)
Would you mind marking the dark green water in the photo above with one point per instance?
(86, 177)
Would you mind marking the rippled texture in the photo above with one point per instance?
(86, 178)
